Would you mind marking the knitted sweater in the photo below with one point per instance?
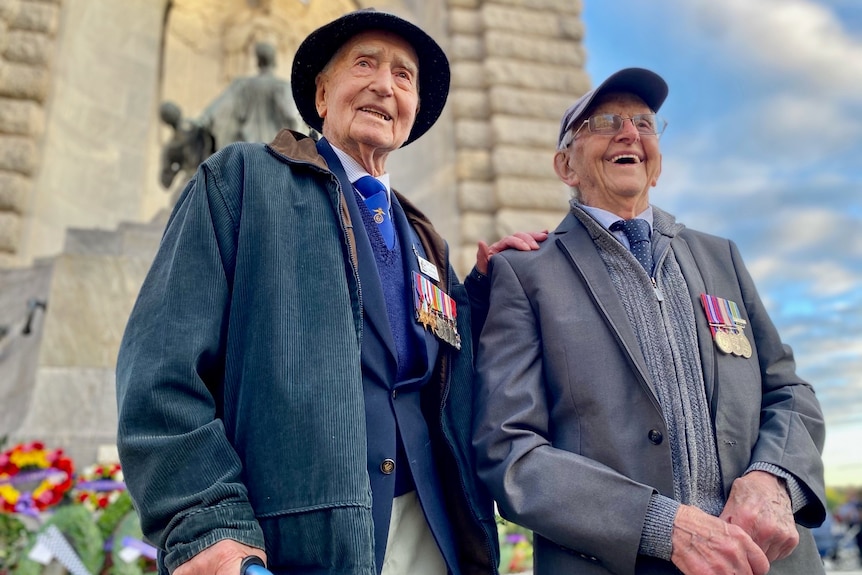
(663, 321)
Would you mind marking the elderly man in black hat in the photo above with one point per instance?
(636, 406)
(295, 380)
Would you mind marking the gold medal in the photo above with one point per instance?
(735, 344)
(723, 341)
(745, 346)
(426, 318)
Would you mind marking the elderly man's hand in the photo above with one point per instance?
(524, 241)
(760, 505)
(222, 558)
(705, 544)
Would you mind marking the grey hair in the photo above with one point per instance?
(566, 141)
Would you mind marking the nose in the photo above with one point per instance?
(381, 83)
(628, 130)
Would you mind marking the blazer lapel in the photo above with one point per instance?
(409, 240)
(579, 248)
(373, 303)
(696, 286)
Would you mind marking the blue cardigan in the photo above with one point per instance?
(239, 381)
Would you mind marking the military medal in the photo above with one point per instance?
(722, 340)
(435, 310)
(379, 216)
(745, 346)
(727, 325)
(742, 346)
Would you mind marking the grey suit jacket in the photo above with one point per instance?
(569, 433)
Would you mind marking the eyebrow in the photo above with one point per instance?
(399, 59)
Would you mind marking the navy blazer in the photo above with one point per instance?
(394, 406)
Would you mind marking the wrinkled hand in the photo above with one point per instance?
(760, 505)
(524, 241)
(223, 558)
(706, 544)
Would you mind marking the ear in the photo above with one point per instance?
(564, 170)
(320, 95)
(654, 181)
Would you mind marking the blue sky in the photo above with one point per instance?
(764, 146)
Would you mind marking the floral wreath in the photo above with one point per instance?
(32, 478)
(99, 485)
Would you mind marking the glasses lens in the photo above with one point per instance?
(649, 124)
(605, 123)
(645, 123)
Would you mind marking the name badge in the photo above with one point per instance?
(427, 267)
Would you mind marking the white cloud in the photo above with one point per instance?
(801, 129)
(800, 37)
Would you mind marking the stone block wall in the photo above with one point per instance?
(516, 66)
(27, 33)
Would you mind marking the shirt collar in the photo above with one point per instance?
(355, 171)
(607, 219)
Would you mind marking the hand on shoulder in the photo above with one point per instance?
(523, 241)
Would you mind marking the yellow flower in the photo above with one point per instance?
(9, 494)
(24, 459)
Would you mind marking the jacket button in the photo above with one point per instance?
(387, 467)
(655, 436)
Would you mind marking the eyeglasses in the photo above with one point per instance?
(611, 124)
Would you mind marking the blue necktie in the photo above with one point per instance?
(637, 231)
(377, 201)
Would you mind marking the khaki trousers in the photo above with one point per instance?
(410, 547)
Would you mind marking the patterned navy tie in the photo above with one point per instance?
(374, 193)
(638, 232)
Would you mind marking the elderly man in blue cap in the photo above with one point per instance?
(636, 407)
(295, 380)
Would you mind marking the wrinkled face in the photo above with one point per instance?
(368, 94)
(612, 170)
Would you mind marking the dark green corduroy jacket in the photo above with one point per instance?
(239, 382)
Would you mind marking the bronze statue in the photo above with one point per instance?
(189, 145)
(254, 108)
(251, 109)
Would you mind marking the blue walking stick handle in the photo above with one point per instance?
(253, 565)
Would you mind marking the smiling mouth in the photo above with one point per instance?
(380, 115)
(625, 159)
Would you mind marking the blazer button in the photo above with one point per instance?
(655, 436)
(387, 467)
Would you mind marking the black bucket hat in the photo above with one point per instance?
(322, 44)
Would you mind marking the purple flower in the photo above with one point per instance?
(515, 538)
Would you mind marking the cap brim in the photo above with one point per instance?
(322, 44)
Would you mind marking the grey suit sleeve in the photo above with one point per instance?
(791, 433)
(572, 500)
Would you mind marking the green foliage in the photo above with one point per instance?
(113, 514)
(86, 531)
(14, 539)
(129, 526)
(79, 527)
